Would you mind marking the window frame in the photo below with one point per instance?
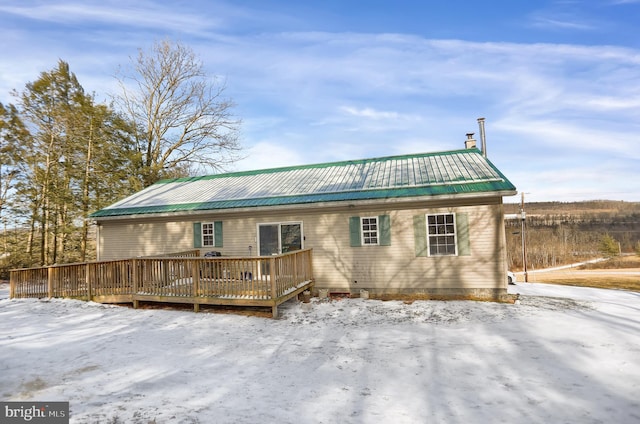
(433, 237)
(363, 238)
(204, 235)
(280, 224)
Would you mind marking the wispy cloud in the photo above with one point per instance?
(313, 96)
(136, 14)
(573, 102)
(560, 23)
(580, 137)
(370, 113)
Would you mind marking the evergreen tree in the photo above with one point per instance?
(78, 159)
(609, 246)
(13, 138)
(13, 135)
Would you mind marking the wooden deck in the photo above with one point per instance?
(178, 278)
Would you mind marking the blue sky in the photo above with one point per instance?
(316, 81)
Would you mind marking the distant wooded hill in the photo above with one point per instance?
(588, 208)
(558, 233)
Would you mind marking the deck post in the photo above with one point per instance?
(195, 287)
(50, 271)
(309, 263)
(134, 282)
(87, 281)
(274, 291)
(12, 285)
(272, 278)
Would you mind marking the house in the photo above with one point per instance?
(420, 224)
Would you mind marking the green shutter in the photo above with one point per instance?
(197, 234)
(217, 232)
(354, 231)
(384, 226)
(420, 235)
(462, 228)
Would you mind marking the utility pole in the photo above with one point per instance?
(524, 238)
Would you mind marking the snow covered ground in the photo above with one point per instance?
(562, 355)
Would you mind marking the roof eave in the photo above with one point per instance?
(314, 205)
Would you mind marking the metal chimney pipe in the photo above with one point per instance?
(483, 139)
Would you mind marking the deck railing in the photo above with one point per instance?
(183, 278)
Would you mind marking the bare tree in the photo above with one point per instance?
(184, 123)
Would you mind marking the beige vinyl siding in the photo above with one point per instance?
(338, 266)
(388, 268)
(118, 240)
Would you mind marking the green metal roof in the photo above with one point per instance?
(425, 174)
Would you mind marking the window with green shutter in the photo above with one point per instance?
(207, 234)
(370, 230)
(444, 234)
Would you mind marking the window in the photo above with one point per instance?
(208, 234)
(441, 234)
(370, 231)
(369, 228)
(445, 234)
(275, 238)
